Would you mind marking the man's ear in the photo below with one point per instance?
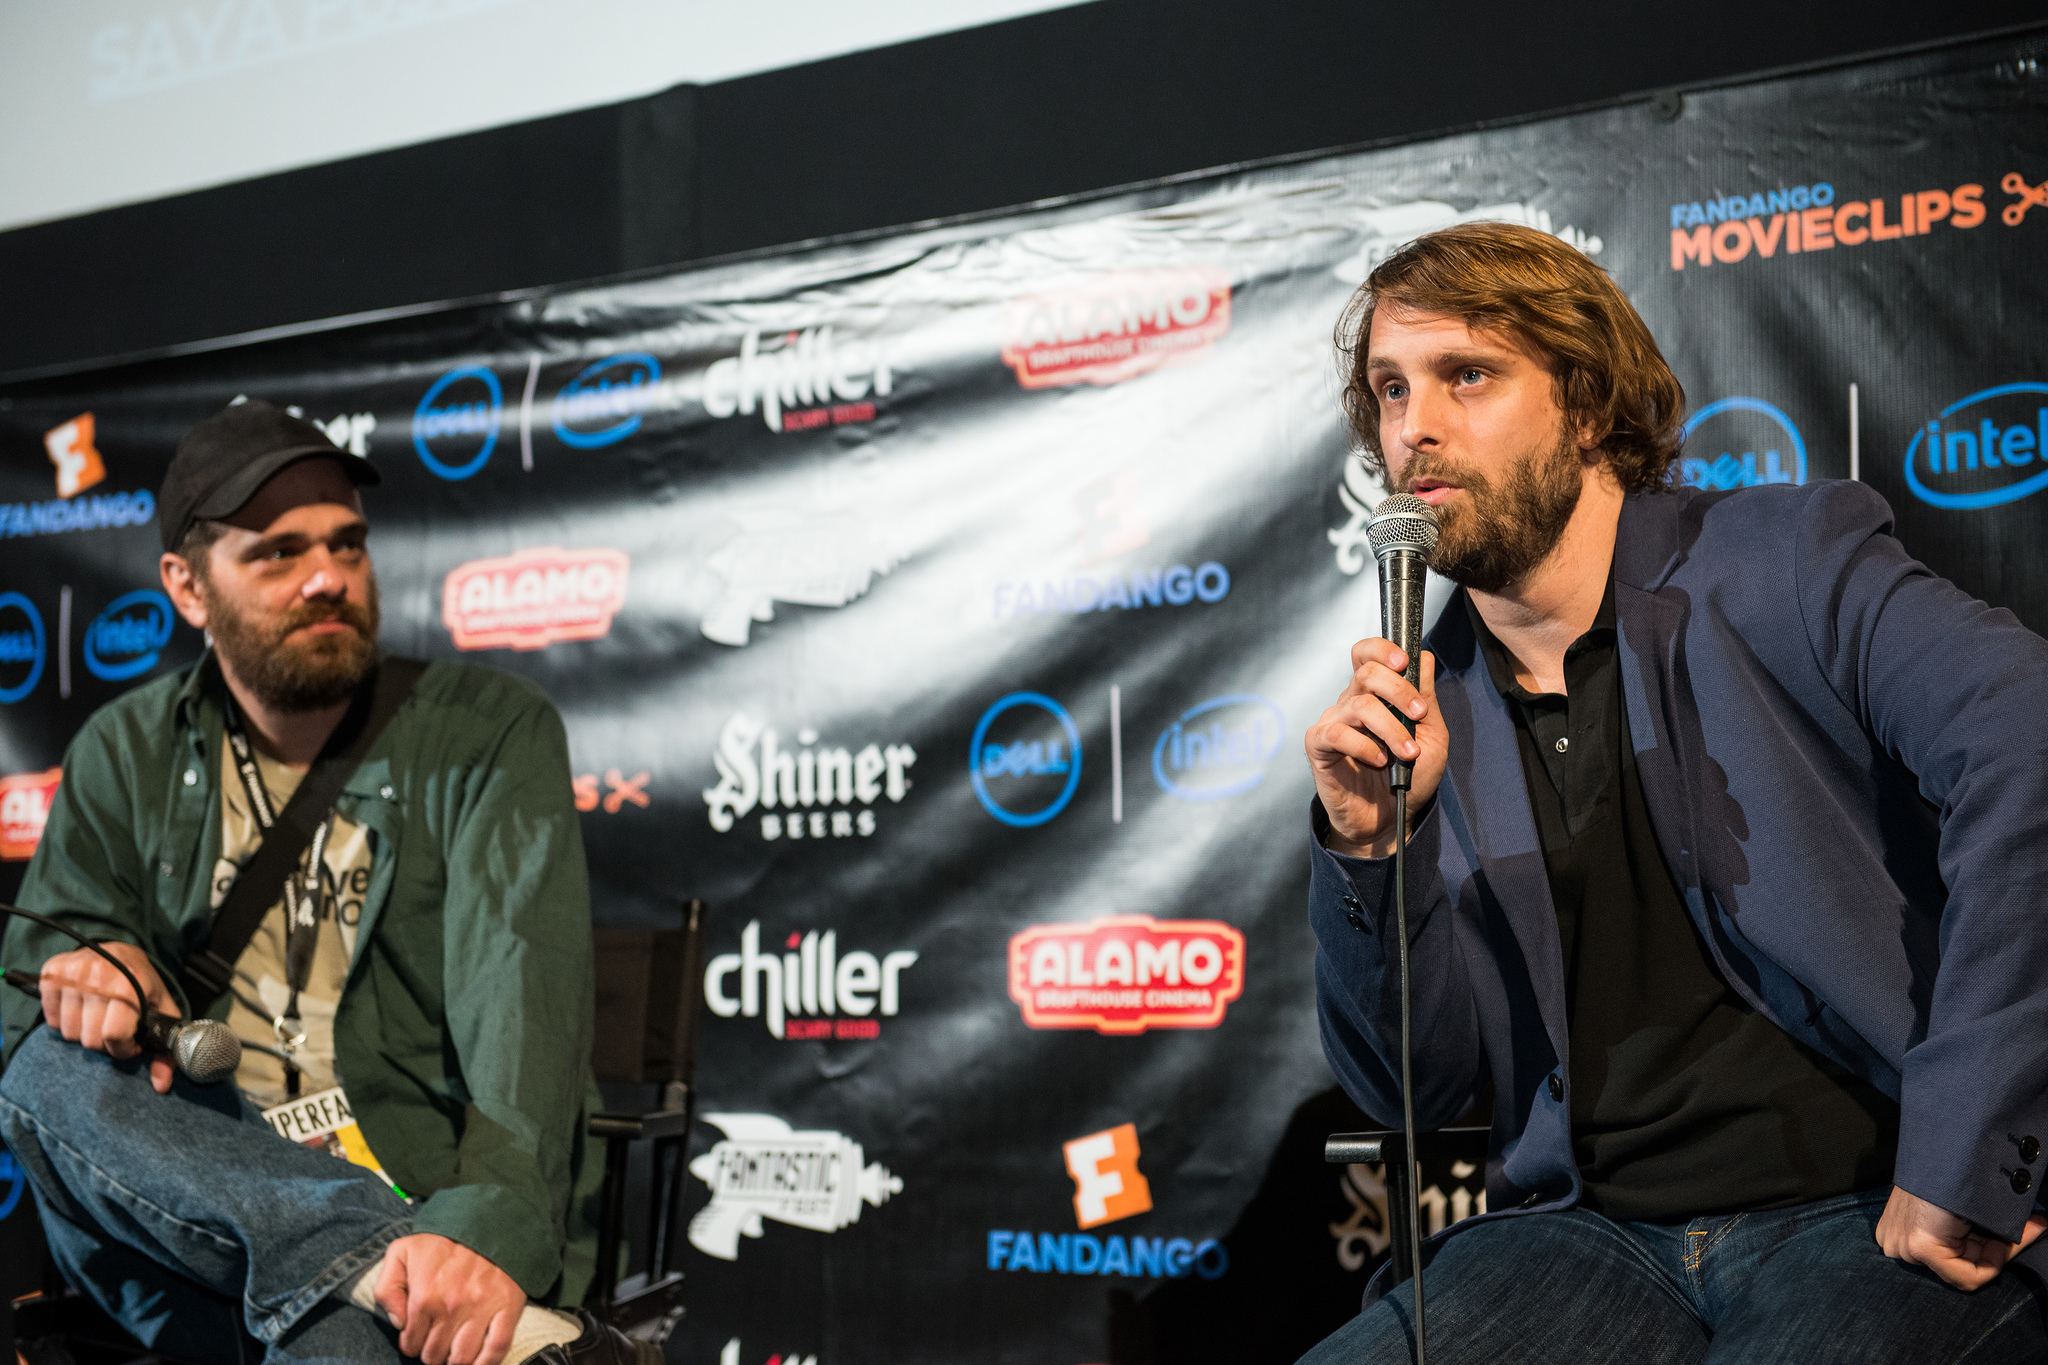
(183, 587)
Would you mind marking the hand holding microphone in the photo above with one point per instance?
(91, 1000)
(1385, 727)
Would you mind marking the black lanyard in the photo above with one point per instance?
(302, 898)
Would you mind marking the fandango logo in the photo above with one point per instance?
(1739, 422)
(1219, 748)
(1116, 327)
(603, 405)
(1127, 973)
(124, 640)
(755, 769)
(24, 808)
(1024, 769)
(1175, 587)
(1964, 459)
(795, 385)
(534, 598)
(455, 427)
(810, 978)
(23, 646)
(1082, 1253)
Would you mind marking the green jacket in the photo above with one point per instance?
(463, 1033)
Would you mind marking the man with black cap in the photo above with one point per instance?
(413, 997)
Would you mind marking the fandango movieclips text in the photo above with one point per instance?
(1176, 586)
(1079, 1253)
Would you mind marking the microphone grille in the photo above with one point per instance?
(1402, 522)
(207, 1050)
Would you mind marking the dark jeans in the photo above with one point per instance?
(1801, 1286)
(187, 1218)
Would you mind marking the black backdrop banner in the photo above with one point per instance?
(945, 608)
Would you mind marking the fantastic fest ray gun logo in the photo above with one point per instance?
(1128, 973)
(765, 1169)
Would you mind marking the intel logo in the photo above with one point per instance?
(22, 646)
(604, 403)
(125, 639)
(1025, 759)
(1219, 748)
(455, 427)
(1966, 458)
(1747, 442)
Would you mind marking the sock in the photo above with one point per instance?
(536, 1329)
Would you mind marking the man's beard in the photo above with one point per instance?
(1492, 537)
(307, 674)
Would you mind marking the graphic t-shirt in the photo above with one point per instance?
(259, 992)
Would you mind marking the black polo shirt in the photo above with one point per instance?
(1685, 1101)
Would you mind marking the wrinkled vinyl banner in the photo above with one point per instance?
(945, 609)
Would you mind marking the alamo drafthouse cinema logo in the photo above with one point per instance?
(1125, 974)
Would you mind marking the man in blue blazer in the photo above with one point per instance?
(1728, 846)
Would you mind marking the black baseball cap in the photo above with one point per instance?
(223, 461)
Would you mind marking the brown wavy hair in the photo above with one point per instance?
(1518, 282)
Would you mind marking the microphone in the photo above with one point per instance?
(204, 1050)
(1403, 532)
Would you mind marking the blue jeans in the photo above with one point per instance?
(187, 1217)
(1798, 1286)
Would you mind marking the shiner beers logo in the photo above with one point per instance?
(1126, 974)
(533, 598)
(1116, 326)
(24, 806)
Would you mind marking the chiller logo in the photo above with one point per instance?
(1733, 424)
(808, 985)
(1218, 748)
(807, 783)
(765, 1169)
(1116, 327)
(126, 639)
(1025, 759)
(1126, 974)
(24, 806)
(813, 379)
(78, 461)
(533, 598)
(1107, 1182)
(455, 427)
(603, 404)
(1965, 458)
(23, 646)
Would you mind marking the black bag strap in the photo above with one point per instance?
(210, 968)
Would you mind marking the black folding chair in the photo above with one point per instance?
(1390, 1148)
(649, 983)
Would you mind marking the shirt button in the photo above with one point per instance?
(190, 777)
(385, 792)
(2022, 1181)
(164, 868)
(2030, 1149)
(1357, 920)
(1563, 744)
(1556, 1086)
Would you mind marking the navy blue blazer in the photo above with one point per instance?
(1846, 762)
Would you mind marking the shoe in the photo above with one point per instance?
(600, 1344)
